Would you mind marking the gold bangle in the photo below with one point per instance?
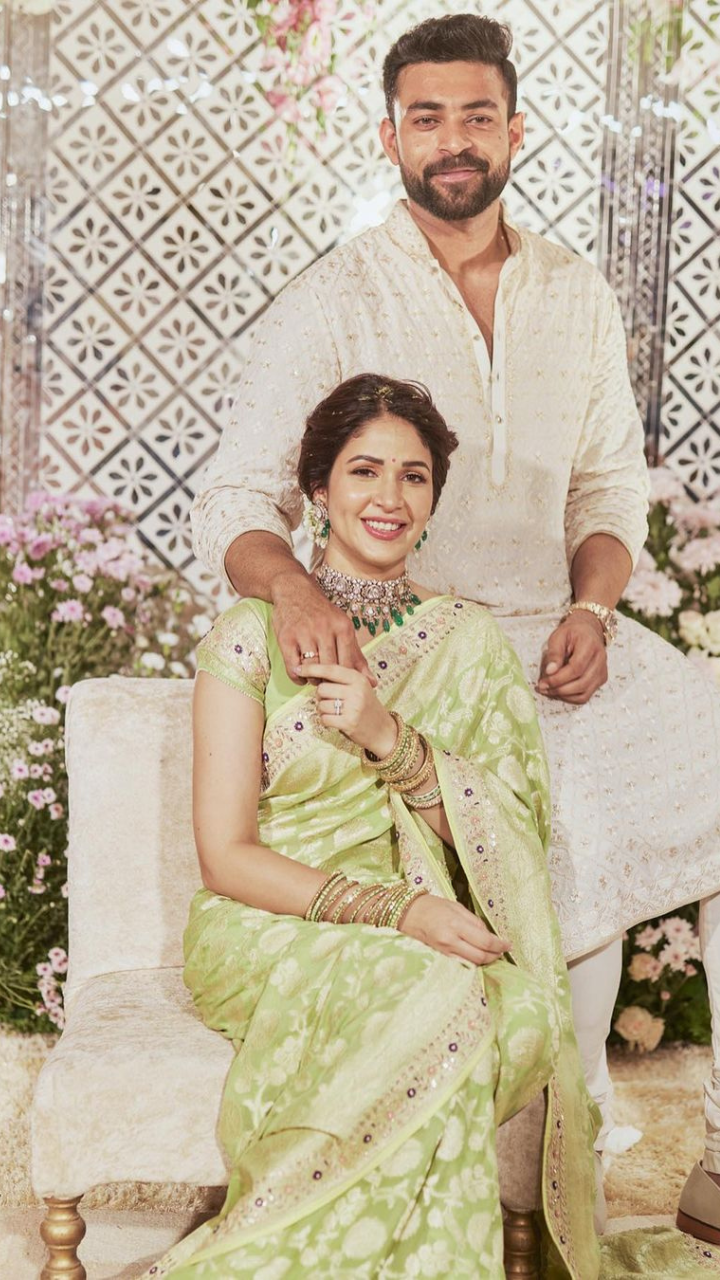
(369, 892)
(383, 762)
(346, 899)
(399, 905)
(401, 918)
(421, 775)
(427, 801)
(313, 912)
(404, 758)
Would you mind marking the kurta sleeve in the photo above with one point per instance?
(609, 485)
(235, 650)
(251, 483)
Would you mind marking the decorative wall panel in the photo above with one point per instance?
(690, 439)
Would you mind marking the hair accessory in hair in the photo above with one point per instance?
(317, 521)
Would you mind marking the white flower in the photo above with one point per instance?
(153, 661)
(665, 486)
(167, 638)
(652, 593)
(712, 629)
(179, 669)
(691, 625)
(200, 625)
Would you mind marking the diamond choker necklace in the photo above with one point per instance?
(370, 602)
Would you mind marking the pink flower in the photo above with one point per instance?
(59, 584)
(691, 517)
(36, 771)
(652, 593)
(68, 611)
(128, 594)
(35, 748)
(43, 970)
(700, 555)
(82, 582)
(326, 93)
(48, 746)
(674, 955)
(40, 546)
(7, 531)
(648, 937)
(2, 892)
(7, 843)
(665, 485)
(640, 1028)
(664, 995)
(18, 770)
(690, 970)
(46, 715)
(44, 860)
(58, 959)
(49, 795)
(37, 799)
(114, 617)
(65, 890)
(37, 887)
(676, 929)
(63, 693)
(57, 1016)
(56, 811)
(22, 573)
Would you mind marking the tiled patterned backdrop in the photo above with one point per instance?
(173, 223)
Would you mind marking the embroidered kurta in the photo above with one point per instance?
(551, 452)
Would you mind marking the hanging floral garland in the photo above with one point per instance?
(300, 38)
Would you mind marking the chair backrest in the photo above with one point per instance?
(132, 861)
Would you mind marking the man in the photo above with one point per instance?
(523, 349)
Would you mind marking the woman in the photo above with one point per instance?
(375, 933)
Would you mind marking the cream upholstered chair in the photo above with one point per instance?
(132, 1090)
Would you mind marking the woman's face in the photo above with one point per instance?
(379, 497)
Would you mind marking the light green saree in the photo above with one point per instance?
(359, 1115)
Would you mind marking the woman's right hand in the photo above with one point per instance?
(449, 927)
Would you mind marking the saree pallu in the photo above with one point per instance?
(359, 1115)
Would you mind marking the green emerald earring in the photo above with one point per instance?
(423, 538)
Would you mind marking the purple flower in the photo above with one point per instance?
(58, 959)
(44, 860)
(82, 582)
(40, 546)
(46, 715)
(19, 770)
(37, 799)
(63, 693)
(7, 843)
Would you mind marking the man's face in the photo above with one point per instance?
(451, 137)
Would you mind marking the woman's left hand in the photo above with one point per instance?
(347, 701)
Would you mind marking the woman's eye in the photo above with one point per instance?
(416, 477)
(362, 471)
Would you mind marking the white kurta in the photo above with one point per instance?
(551, 451)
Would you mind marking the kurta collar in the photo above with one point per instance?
(406, 234)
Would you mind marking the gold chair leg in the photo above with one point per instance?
(522, 1245)
(62, 1229)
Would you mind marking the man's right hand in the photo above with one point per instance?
(305, 622)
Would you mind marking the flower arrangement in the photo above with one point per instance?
(300, 38)
(78, 598)
(675, 591)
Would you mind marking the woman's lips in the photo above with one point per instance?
(385, 535)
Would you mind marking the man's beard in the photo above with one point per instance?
(460, 201)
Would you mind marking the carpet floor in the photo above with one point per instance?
(129, 1224)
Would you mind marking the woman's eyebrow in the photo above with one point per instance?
(380, 462)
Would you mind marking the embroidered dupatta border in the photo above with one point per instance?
(469, 810)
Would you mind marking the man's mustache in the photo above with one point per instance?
(460, 162)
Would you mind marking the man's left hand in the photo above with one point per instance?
(574, 663)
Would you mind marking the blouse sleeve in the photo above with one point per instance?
(235, 650)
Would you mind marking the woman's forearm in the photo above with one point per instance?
(262, 878)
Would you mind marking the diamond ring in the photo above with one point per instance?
(310, 654)
(338, 706)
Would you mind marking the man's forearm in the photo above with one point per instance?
(600, 570)
(261, 565)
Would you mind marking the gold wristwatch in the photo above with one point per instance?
(608, 617)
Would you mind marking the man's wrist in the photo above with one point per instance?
(602, 615)
(289, 581)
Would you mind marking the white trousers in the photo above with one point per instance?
(594, 983)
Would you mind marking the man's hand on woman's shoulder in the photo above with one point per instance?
(311, 629)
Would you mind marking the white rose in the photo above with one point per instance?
(153, 661)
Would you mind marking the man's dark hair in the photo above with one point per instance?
(456, 37)
(361, 400)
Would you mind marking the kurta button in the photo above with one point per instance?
(498, 417)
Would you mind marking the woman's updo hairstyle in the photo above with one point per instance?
(358, 401)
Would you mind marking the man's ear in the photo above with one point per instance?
(516, 132)
(388, 138)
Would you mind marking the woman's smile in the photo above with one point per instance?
(386, 530)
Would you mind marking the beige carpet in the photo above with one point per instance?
(130, 1224)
